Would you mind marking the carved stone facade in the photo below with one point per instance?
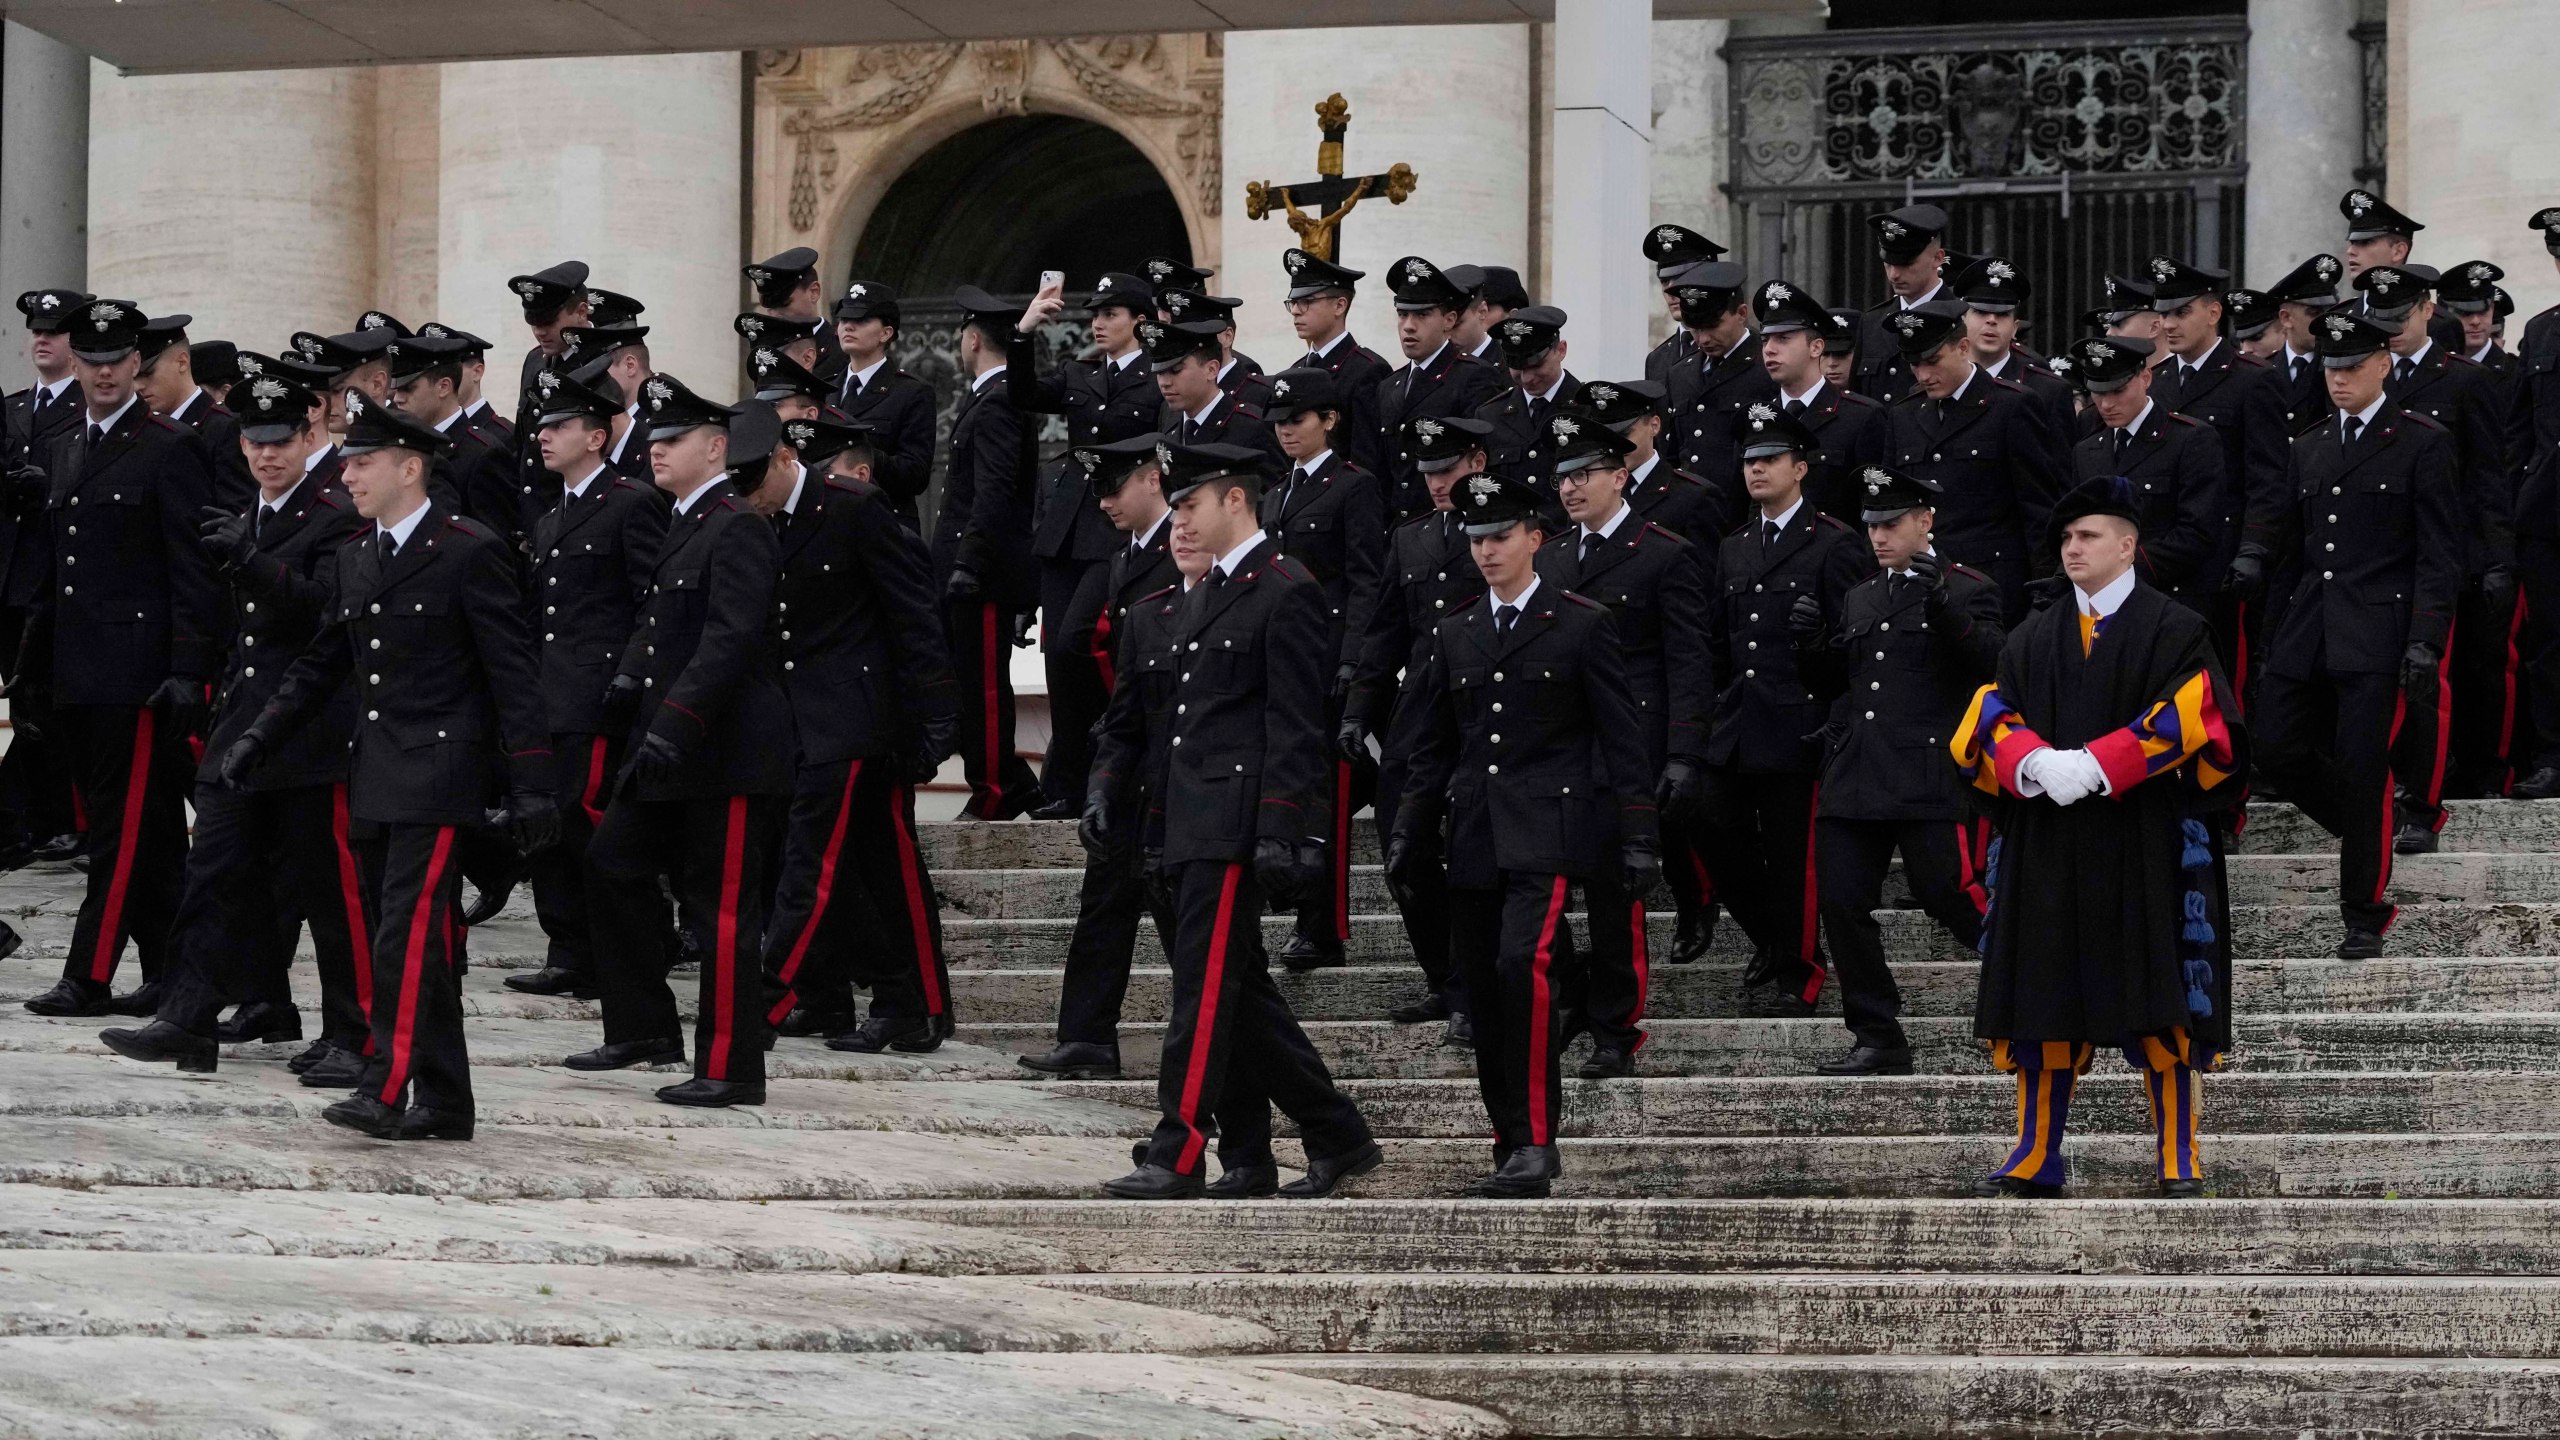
(835, 127)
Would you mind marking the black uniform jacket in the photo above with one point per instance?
(483, 480)
(448, 705)
(2175, 465)
(1430, 574)
(1992, 452)
(2463, 398)
(1659, 360)
(1131, 741)
(1102, 402)
(130, 598)
(233, 486)
(2380, 535)
(1850, 432)
(1898, 677)
(705, 652)
(1708, 405)
(1520, 446)
(1334, 522)
(593, 558)
(282, 595)
(27, 437)
(899, 408)
(2243, 400)
(2306, 395)
(2533, 427)
(1098, 623)
(863, 659)
(1451, 382)
(1239, 375)
(984, 524)
(1690, 506)
(1765, 719)
(1530, 745)
(2034, 374)
(1655, 587)
(1230, 421)
(1357, 371)
(1248, 756)
(1880, 373)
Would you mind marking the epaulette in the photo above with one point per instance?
(1173, 589)
(470, 527)
(625, 482)
(1965, 570)
(2003, 384)
(1584, 601)
(1470, 600)
(361, 532)
(2246, 362)
(2185, 419)
(2414, 417)
(1290, 569)
(1248, 411)
(1653, 529)
(1853, 399)
(1418, 519)
(1825, 517)
(172, 426)
(328, 497)
(851, 487)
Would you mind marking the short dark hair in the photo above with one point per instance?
(858, 455)
(993, 329)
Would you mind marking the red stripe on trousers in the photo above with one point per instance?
(1643, 962)
(137, 787)
(1341, 850)
(2390, 812)
(2240, 652)
(1706, 882)
(1541, 999)
(405, 1024)
(351, 894)
(724, 949)
(1806, 948)
(79, 812)
(2433, 796)
(2507, 700)
(817, 902)
(995, 772)
(1195, 1073)
(1100, 650)
(587, 798)
(919, 914)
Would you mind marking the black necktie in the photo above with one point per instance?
(97, 434)
(2300, 364)
(258, 522)
(1585, 552)
(2401, 370)
(1537, 411)
(1795, 407)
(1768, 536)
(2124, 442)
(2354, 427)
(1504, 617)
(385, 546)
(1190, 429)
(852, 387)
(1289, 491)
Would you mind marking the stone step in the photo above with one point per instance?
(2202, 1237)
(2330, 1316)
(1976, 1397)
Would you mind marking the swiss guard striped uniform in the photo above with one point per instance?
(2102, 754)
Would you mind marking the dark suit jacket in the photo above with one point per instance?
(130, 598)
(2462, 397)
(1429, 576)
(282, 595)
(1994, 454)
(2175, 464)
(1765, 717)
(1450, 383)
(1898, 679)
(233, 486)
(984, 525)
(1356, 370)
(1334, 522)
(899, 408)
(27, 437)
(1690, 507)
(2243, 400)
(705, 648)
(1518, 447)
(1656, 589)
(1101, 403)
(859, 624)
(2378, 529)
(1232, 421)
(593, 560)
(1850, 432)
(1709, 406)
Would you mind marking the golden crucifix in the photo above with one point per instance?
(1320, 235)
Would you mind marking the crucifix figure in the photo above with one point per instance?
(1319, 234)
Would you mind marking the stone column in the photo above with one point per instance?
(44, 180)
(1604, 133)
(2306, 131)
(408, 138)
(1449, 100)
(2480, 115)
(244, 199)
(631, 164)
(1691, 157)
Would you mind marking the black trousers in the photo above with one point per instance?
(1079, 684)
(260, 855)
(1324, 912)
(1520, 968)
(713, 850)
(2327, 741)
(583, 767)
(37, 799)
(2487, 673)
(1942, 862)
(854, 902)
(415, 879)
(1105, 941)
(1001, 783)
(134, 771)
(2422, 747)
(1227, 1018)
(1617, 975)
(2538, 562)
(1759, 844)
(1425, 911)
(1684, 868)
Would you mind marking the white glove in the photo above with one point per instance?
(2052, 774)
(2092, 774)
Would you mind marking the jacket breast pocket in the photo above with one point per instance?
(1224, 664)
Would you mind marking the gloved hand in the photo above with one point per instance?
(1094, 828)
(29, 486)
(1406, 859)
(2498, 585)
(1342, 679)
(931, 748)
(226, 536)
(533, 821)
(1275, 864)
(621, 697)
(1804, 620)
(2418, 669)
(2062, 780)
(239, 760)
(2247, 576)
(963, 584)
(1159, 879)
(1682, 789)
(180, 699)
(1932, 577)
(1352, 740)
(657, 757)
(1022, 630)
(1639, 867)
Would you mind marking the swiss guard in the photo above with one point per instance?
(2104, 754)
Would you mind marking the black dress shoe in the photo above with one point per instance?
(421, 1123)
(1244, 1182)
(805, 1021)
(10, 939)
(1306, 952)
(622, 1055)
(2010, 1187)
(56, 851)
(2542, 784)
(550, 980)
(1460, 1032)
(1076, 1060)
(2182, 1189)
(260, 1022)
(1864, 1059)
(1058, 810)
(2361, 945)
(1608, 1062)
(708, 1094)
(1154, 1182)
(492, 891)
(2414, 839)
(1764, 967)
(160, 1042)
(366, 1114)
(142, 999)
(1526, 1174)
(907, 1034)
(312, 1054)
(1326, 1172)
(1434, 1006)
(337, 1070)
(1697, 931)
(74, 997)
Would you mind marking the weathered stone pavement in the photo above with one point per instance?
(912, 1246)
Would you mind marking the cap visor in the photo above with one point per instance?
(2466, 307)
(1575, 465)
(267, 434)
(1159, 367)
(1783, 327)
(669, 432)
(1886, 517)
(1516, 360)
(782, 392)
(1434, 467)
(1764, 450)
(1496, 527)
(2347, 362)
(2355, 237)
(1991, 307)
(2250, 332)
(2103, 387)
(100, 357)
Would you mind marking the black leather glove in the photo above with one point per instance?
(533, 821)
(1352, 740)
(181, 699)
(239, 760)
(1804, 620)
(2498, 585)
(932, 747)
(1275, 865)
(1159, 879)
(1933, 577)
(1342, 679)
(1311, 867)
(657, 757)
(963, 585)
(2418, 669)
(1093, 828)
(1022, 630)
(29, 487)
(1682, 789)
(2247, 576)
(226, 536)
(1639, 867)
(621, 697)
(1406, 858)
(2044, 592)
